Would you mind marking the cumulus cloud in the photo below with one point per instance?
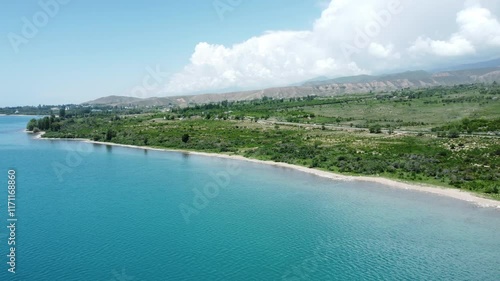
(381, 51)
(350, 37)
(478, 29)
(480, 26)
(455, 46)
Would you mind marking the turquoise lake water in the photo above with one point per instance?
(96, 212)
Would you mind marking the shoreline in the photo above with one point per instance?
(426, 188)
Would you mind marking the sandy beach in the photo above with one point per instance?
(436, 190)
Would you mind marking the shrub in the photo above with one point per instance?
(453, 134)
(491, 189)
(376, 129)
(185, 138)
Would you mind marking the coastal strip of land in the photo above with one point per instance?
(435, 190)
(443, 136)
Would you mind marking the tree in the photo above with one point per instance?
(376, 129)
(62, 112)
(42, 124)
(56, 126)
(32, 124)
(185, 138)
(110, 135)
(315, 163)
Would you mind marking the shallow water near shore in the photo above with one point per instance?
(96, 212)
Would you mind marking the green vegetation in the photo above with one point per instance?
(445, 136)
(470, 126)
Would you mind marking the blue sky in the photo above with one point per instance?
(89, 49)
(95, 48)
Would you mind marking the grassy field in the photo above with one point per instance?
(411, 109)
(420, 109)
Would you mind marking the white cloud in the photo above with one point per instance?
(455, 46)
(350, 37)
(478, 29)
(381, 51)
(479, 26)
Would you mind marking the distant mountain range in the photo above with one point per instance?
(477, 65)
(328, 87)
